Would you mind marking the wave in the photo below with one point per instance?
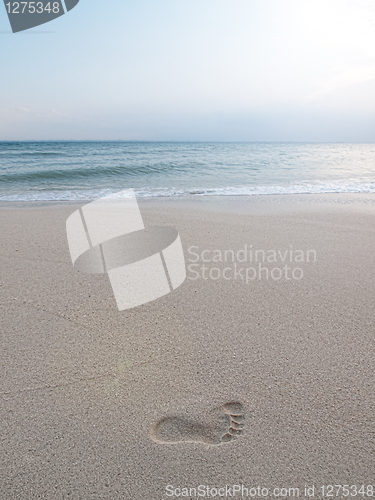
(90, 194)
(75, 174)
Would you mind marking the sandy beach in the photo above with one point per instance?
(98, 403)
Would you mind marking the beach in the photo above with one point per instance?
(102, 403)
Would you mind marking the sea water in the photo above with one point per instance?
(88, 170)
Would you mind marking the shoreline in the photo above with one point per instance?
(215, 202)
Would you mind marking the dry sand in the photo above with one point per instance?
(90, 396)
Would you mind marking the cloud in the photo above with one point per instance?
(20, 108)
(18, 112)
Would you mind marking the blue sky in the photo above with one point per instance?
(232, 70)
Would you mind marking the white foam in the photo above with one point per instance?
(316, 187)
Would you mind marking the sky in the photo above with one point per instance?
(193, 70)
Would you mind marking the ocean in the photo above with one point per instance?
(88, 170)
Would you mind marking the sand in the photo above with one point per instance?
(98, 403)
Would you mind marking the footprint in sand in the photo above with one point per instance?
(226, 424)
